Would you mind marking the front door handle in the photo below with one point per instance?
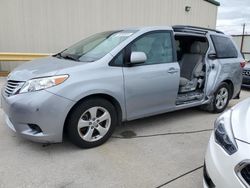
(172, 70)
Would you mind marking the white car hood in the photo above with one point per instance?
(241, 120)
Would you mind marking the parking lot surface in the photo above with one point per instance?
(149, 152)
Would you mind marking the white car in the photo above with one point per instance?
(227, 161)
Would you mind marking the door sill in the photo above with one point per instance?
(189, 98)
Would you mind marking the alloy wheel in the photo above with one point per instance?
(221, 98)
(94, 124)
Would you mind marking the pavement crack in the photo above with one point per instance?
(178, 177)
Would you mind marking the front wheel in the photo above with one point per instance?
(220, 99)
(91, 123)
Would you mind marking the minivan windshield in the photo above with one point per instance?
(96, 46)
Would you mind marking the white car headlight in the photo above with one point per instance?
(37, 84)
(224, 134)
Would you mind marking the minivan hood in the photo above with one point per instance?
(40, 68)
(241, 120)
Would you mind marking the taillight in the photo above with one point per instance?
(242, 64)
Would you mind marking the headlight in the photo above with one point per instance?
(224, 134)
(42, 83)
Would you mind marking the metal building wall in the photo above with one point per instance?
(51, 25)
(245, 45)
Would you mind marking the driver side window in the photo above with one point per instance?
(157, 47)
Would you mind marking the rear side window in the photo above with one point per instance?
(224, 47)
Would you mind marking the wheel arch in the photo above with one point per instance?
(231, 86)
(107, 97)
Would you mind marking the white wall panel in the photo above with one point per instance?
(51, 25)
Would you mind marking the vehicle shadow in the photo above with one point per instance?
(167, 118)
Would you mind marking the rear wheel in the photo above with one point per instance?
(91, 123)
(220, 100)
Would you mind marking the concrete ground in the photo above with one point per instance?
(148, 161)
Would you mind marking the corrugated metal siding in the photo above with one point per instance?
(246, 45)
(237, 40)
(51, 25)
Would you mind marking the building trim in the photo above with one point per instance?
(9, 56)
(213, 2)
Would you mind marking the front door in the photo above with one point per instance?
(151, 87)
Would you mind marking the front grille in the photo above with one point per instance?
(246, 72)
(245, 173)
(12, 87)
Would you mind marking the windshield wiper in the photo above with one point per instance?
(67, 56)
(57, 55)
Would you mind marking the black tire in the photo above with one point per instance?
(76, 114)
(212, 107)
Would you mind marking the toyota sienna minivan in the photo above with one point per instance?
(115, 76)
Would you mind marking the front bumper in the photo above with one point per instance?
(221, 167)
(42, 109)
(205, 184)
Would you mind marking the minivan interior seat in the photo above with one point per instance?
(191, 68)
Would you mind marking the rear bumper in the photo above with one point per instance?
(246, 81)
(40, 109)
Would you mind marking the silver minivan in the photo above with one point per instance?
(115, 76)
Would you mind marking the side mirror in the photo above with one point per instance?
(212, 56)
(138, 57)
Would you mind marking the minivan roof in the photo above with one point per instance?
(150, 28)
(188, 28)
(178, 28)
